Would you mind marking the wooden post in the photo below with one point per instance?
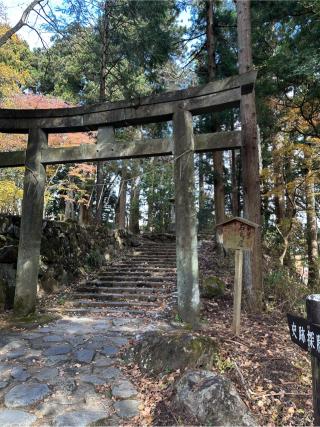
(31, 224)
(253, 279)
(186, 225)
(237, 291)
(313, 315)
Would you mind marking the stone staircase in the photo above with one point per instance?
(145, 280)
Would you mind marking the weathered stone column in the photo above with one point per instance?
(31, 224)
(186, 222)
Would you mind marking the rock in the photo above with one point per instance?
(15, 354)
(13, 350)
(47, 374)
(163, 352)
(3, 384)
(50, 409)
(127, 408)
(80, 418)
(32, 355)
(85, 355)
(31, 336)
(120, 341)
(25, 395)
(110, 373)
(58, 350)
(103, 362)
(109, 350)
(13, 345)
(64, 383)
(120, 322)
(56, 360)
(5, 372)
(123, 390)
(19, 374)
(211, 399)
(91, 379)
(45, 329)
(49, 284)
(12, 417)
(212, 287)
(53, 338)
(8, 254)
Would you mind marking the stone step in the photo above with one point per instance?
(89, 310)
(155, 251)
(137, 262)
(134, 278)
(137, 269)
(92, 303)
(154, 257)
(160, 245)
(117, 296)
(115, 289)
(165, 253)
(132, 273)
(130, 283)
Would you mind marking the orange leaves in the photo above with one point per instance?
(35, 101)
(82, 171)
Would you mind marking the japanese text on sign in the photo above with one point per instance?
(305, 334)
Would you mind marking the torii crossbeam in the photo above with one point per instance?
(178, 106)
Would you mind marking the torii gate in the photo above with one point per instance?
(178, 106)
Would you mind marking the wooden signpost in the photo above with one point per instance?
(238, 234)
(306, 334)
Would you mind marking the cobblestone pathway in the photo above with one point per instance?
(50, 375)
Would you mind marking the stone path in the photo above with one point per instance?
(51, 375)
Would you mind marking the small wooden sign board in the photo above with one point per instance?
(305, 334)
(238, 234)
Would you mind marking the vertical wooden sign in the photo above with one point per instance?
(238, 234)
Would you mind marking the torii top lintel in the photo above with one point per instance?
(214, 96)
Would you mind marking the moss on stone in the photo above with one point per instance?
(159, 353)
(31, 320)
(212, 287)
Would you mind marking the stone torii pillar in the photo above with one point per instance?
(186, 223)
(31, 224)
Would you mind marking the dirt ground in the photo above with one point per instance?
(272, 375)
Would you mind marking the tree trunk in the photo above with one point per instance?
(150, 199)
(235, 184)
(84, 215)
(219, 202)
(69, 212)
(122, 201)
(201, 192)
(102, 97)
(99, 192)
(134, 207)
(312, 232)
(250, 161)
(279, 197)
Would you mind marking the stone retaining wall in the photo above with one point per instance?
(68, 250)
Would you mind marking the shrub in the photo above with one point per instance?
(285, 290)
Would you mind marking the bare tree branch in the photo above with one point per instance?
(22, 22)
